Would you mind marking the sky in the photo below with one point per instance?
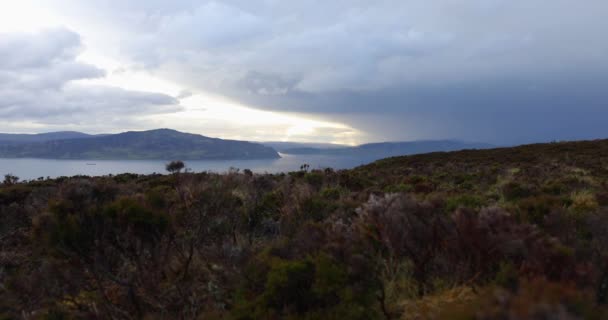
(503, 72)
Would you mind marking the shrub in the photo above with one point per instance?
(14, 194)
(145, 223)
(159, 197)
(288, 287)
(554, 188)
(66, 229)
(493, 237)
(316, 208)
(318, 287)
(399, 188)
(507, 276)
(535, 209)
(462, 178)
(602, 198)
(432, 306)
(584, 201)
(10, 179)
(514, 190)
(266, 210)
(315, 178)
(463, 201)
(352, 181)
(533, 300)
(331, 193)
(424, 187)
(125, 177)
(175, 166)
(399, 227)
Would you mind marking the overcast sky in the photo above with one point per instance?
(496, 71)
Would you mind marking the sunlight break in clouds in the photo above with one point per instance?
(197, 112)
(497, 71)
(221, 117)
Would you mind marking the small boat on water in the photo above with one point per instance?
(91, 164)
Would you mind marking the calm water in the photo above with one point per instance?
(28, 169)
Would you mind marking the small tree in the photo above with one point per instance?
(175, 166)
(10, 179)
(248, 172)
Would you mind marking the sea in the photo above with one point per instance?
(31, 169)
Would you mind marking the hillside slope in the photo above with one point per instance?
(483, 173)
(591, 155)
(40, 137)
(505, 233)
(153, 144)
(285, 146)
(390, 149)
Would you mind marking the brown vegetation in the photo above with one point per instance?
(492, 234)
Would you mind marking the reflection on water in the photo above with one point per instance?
(28, 169)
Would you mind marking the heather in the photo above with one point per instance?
(510, 233)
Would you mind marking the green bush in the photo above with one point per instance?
(160, 196)
(535, 209)
(316, 208)
(128, 212)
(331, 193)
(463, 201)
(554, 188)
(584, 201)
(14, 194)
(65, 228)
(514, 190)
(315, 178)
(268, 208)
(399, 188)
(507, 276)
(317, 287)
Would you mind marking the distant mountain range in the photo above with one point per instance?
(388, 149)
(169, 144)
(154, 144)
(285, 147)
(41, 137)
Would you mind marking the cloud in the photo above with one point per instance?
(352, 45)
(184, 94)
(41, 61)
(486, 70)
(20, 51)
(39, 82)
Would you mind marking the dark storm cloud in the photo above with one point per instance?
(37, 73)
(526, 108)
(488, 70)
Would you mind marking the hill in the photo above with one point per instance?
(504, 233)
(389, 149)
(153, 144)
(283, 146)
(40, 137)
